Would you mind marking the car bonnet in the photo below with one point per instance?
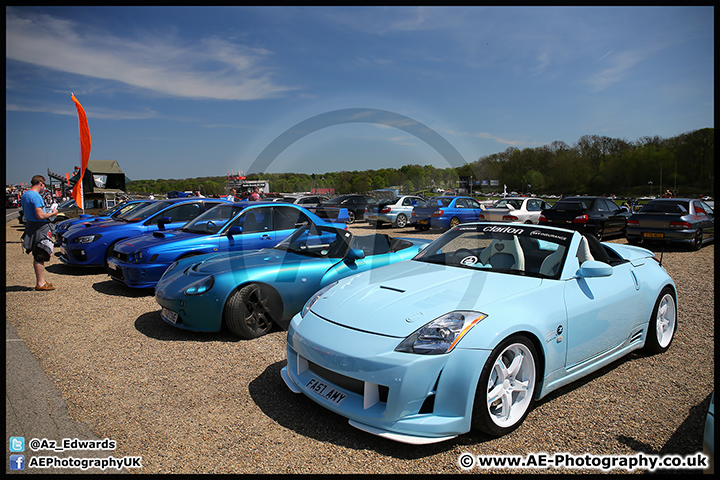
(93, 228)
(153, 239)
(240, 261)
(398, 299)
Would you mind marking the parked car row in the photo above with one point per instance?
(677, 220)
(686, 221)
(412, 340)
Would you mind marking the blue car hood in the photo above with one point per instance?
(219, 263)
(148, 240)
(398, 299)
(95, 227)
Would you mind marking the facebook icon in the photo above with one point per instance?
(17, 462)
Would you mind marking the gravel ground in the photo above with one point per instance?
(210, 403)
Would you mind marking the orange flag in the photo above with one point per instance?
(84, 131)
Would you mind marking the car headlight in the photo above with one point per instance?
(200, 286)
(318, 295)
(172, 265)
(140, 255)
(442, 334)
(87, 238)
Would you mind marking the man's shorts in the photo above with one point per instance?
(40, 255)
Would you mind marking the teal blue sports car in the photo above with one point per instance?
(249, 292)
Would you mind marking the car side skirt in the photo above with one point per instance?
(563, 377)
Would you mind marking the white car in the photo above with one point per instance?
(515, 210)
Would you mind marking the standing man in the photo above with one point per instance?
(37, 237)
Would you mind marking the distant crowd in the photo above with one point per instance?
(14, 192)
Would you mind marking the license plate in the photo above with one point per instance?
(422, 222)
(372, 217)
(112, 266)
(326, 391)
(169, 315)
(653, 235)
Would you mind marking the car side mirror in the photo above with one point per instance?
(355, 254)
(163, 221)
(593, 269)
(234, 230)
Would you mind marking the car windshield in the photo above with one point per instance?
(109, 211)
(213, 220)
(515, 203)
(68, 204)
(665, 206)
(143, 213)
(516, 250)
(128, 209)
(317, 241)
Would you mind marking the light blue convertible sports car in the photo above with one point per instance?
(248, 292)
(483, 321)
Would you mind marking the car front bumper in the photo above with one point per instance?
(136, 275)
(82, 255)
(402, 396)
(199, 313)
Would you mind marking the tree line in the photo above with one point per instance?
(594, 165)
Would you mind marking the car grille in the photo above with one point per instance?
(347, 383)
(116, 273)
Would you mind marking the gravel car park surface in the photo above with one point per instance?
(211, 403)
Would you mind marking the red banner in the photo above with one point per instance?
(84, 131)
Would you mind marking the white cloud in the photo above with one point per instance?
(620, 67)
(212, 68)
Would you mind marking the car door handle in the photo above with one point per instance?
(266, 237)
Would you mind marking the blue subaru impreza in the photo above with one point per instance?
(140, 261)
(92, 244)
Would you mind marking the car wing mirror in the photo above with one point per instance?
(355, 254)
(163, 221)
(234, 230)
(593, 269)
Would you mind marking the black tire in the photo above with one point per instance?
(697, 241)
(599, 232)
(401, 221)
(249, 311)
(663, 323)
(486, 415)
(351, 217)
(454, 222)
